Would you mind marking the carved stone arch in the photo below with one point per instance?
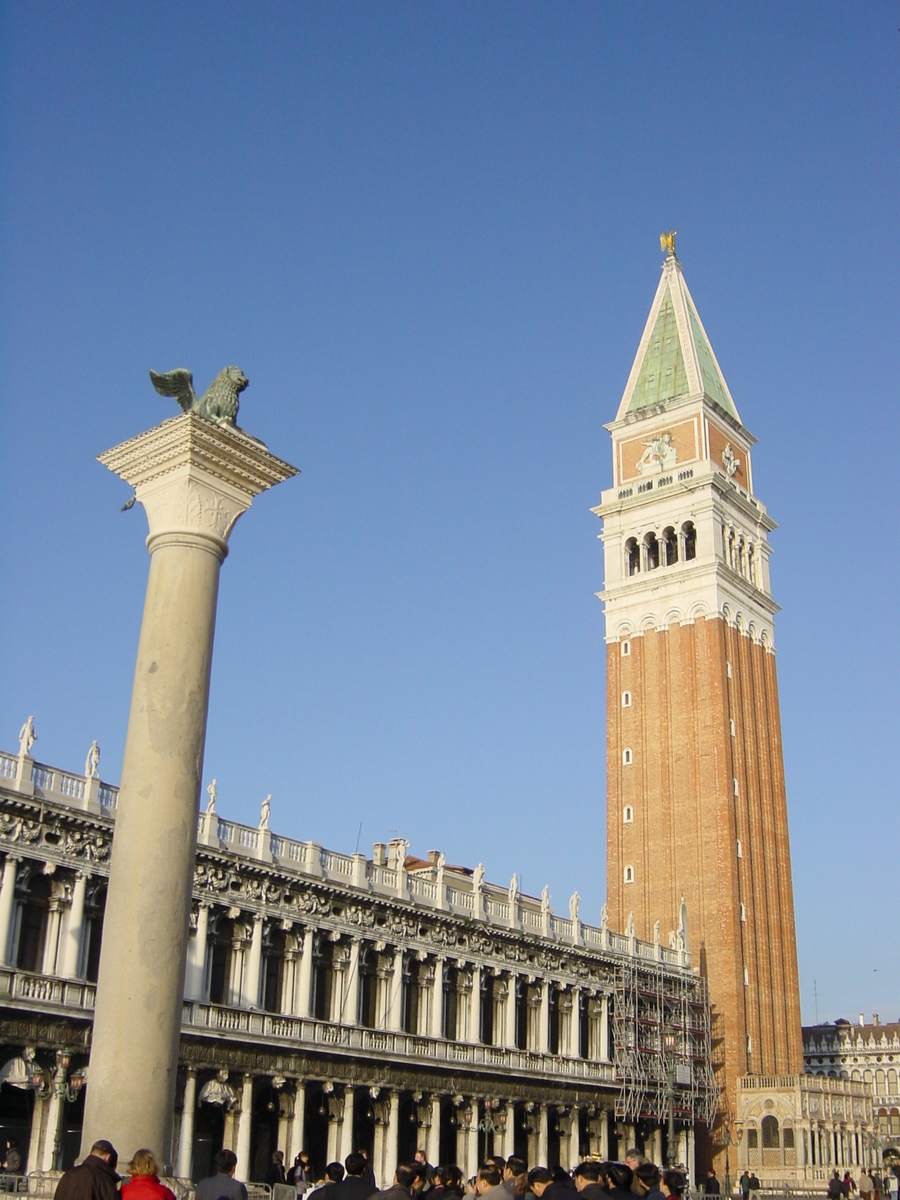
(649, 621)
(623, 630)
(674, 616)
(753, 632)
(699, 611)
(739, 621)
(727, 615)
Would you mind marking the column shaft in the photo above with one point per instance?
(544, 1022)
(474, 1027)
(71, 951)
(395, 1011)
(510, 1039)
(250, 989)
(347, 1134)
(303, 994)
(574, 1140)
(298, 1124)
(472, 1135)
(186, 1139)
(350, 1014)
(509, 1142)
(51, 940)
(604, 1031)
(242, 1150)
(543, 1135)
(391, 1137)
(433, 1150)
(437, 1002)
(7, 907)
(142, 961)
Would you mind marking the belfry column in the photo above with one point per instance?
(194, 479)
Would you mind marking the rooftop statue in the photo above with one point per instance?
(220, 401)
(27, 737)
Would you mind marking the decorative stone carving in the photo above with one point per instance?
(264, 812)
(574, 901)
(92, 762)
(659, 455)
(219, 401)
(27, 737)
(730, 462)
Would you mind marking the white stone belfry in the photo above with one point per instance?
(194, 478)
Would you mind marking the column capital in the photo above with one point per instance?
(194, 479)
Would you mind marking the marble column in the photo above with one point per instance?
(71, 947)
(604, 1030)
(303, 994)
(251, 980)
(395, 1004)
(347, 1127)
(437, 1001)
(7, 907)
(350, 1012)
(195, 978)
(242, 1150)
(433, 1150)
(392, 1135)
(574, 1139)
(510, 1038)
(544, 1021)
(509, 1133)
(575, 1024)
(474, 1021)
(604, 1136)
(543, 1135)
(186, 1140)
(298, 1125)
(194, 478)
(472, 1147)
(51, 938)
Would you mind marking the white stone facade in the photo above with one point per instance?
(334, 1001)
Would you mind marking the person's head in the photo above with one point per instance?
(225, 1162)
(673, 1183)
(498, 1161)
(450, 1178)
(619, 1176)
(405, 1175)
(278, 1156)
(105, 1150)
(143, 1162)
(488, 1177)
(539, 1179)
(515, 1167)
(12, 1143)
(646, 1177)
(334, 1172)
(586, 1173)
(633, 1158)
(419, 1157)
(355, 1163)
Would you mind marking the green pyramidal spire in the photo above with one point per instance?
(674, 358)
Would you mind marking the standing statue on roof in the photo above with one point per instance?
(92, 762)
(211, 805)
(27, 737)
(264, 812)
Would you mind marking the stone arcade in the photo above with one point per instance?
(340, 1001)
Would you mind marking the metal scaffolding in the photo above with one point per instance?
(661, 1021)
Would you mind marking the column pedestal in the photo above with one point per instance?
(194, 479)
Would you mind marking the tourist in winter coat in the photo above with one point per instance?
(144, 1183)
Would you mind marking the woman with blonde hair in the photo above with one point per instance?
(144, 1182)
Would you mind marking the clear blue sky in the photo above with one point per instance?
(429, 236)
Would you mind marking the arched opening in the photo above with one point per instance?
(554, 1020)
(408, 1128)
(368, 987)
(209, 1134)
(521, 1014)
(628, 815)
(627, 757)
(488, 987)
(451, 1003)
(273, 970)
(219, 956)
(316, 1130)
(264, 1131)
(771, 1144)
(629, 874)
(632, 557)
(689, 538)
(95, 910)
(323, 987)
(16, 1108)
(554, 1137)
(363, 1121)
(670, 545)
(651, 551)
(33, 924)
(413, 998)
(790, 1154)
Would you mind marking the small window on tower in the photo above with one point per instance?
(735, 785)
(746, 977)
(626, 757)
(689, 536)
(651, 551)
(632, 556)
(728, 670)
(743, 913)
(732, 728)
(670, 544)
(629, 874)
(740, 849)
(626, 699)
(626, 649)
(628, 815)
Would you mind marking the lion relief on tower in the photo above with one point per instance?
(659, 455)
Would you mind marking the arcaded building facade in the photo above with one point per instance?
(335, 1002)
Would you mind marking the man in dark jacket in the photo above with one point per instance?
(587, 1181)
(712, 1184)
(646, 1181)
(403, 1179)
(355, 1185)
(94, 1179)
(618, 1179)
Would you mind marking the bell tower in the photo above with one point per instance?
(695, 777)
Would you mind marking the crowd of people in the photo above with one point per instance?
(498, 1178)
